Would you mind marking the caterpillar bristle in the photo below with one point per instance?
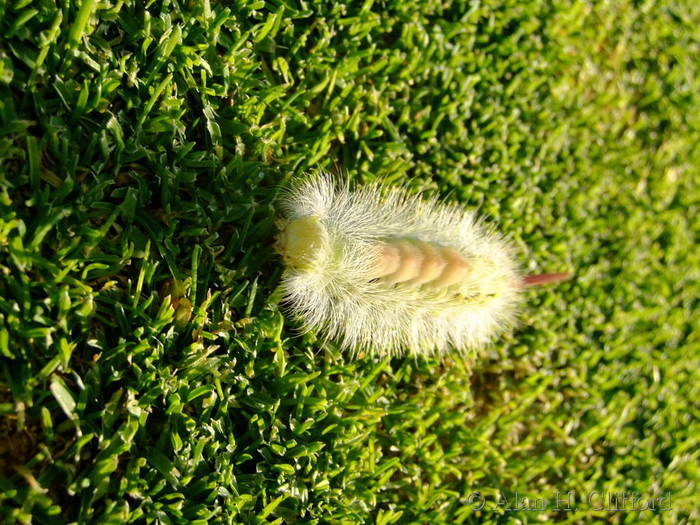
(383, 271)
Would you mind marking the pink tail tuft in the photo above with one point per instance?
(545, 278)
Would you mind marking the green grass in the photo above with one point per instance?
(142, 142)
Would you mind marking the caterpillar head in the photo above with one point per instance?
(301, 242)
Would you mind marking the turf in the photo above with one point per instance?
(147, 373)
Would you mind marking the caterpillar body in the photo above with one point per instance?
(381, 270)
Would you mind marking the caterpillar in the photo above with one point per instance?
(381, 270)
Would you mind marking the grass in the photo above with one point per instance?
(146, 371)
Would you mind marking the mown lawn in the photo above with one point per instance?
(147, 371)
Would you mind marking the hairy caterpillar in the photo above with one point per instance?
(381, 270)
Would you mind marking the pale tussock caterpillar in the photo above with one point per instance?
(381, 270)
